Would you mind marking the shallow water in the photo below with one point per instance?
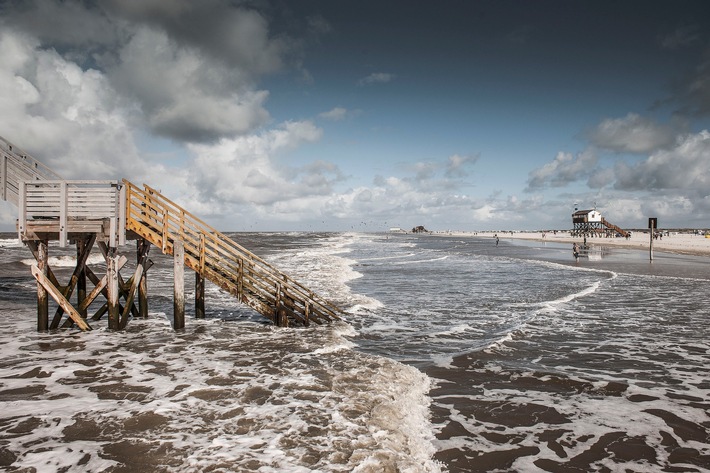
(456, 355)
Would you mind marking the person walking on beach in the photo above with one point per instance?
(575, 250)
(497, 239)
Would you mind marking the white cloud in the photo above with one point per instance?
(190, 68)
(248, 170)
(685, 167)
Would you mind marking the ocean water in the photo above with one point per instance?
(456, 355)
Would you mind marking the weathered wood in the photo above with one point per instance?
(131, 294)
(143, 247)
(199, 296)
(179, 285)
(42, 300)
(78, 270)
(81, 245)
(220, 259)
(112, 288)
(59, 298)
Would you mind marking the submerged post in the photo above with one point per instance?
(42, 295)
(143, 246)
(652, 225)
(179, 287)
(199, 296)
(113, 292)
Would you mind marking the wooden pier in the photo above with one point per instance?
(107, 215)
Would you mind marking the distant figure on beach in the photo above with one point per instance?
(497, 239)
(575, 250)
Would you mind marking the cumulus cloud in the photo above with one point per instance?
(248, 170)
(684, 167)
(189, 68)
(563, 170)
(68, 117)
(634, 134)
(377, 78)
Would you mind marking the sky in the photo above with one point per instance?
(321, 115)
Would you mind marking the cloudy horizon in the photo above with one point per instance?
(337, 116)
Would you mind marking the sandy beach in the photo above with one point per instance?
(681, 243)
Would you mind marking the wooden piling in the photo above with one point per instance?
(42, 296)
(113, 292)
(199, 296)
(143, 246)
(179, 286)
(81, 277)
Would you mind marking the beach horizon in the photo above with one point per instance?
(671, 242)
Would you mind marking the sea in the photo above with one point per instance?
(454, 355)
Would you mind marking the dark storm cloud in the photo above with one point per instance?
(191, 67)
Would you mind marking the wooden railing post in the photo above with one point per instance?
(63, 208)
(3, 178)
(21, 209)
(121, 214)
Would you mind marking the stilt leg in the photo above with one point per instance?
(199, 296)
(42, 296)
(112, 286)
(143, 246)
(179, 288)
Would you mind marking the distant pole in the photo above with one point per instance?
(652, 225)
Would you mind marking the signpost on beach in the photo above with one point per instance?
(652, 224)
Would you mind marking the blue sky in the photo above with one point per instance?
(360, 115)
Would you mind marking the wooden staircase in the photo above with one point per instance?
(108, 212)
(227, 264)
(611, 226)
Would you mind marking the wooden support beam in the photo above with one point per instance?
(131, 294)
(81, 277)
(106, 251)
(59, 298)
(179, 285)
(78, 270)
(112, 287)
(42, 299)
(143, 247)
(199, 296)
(33, 245)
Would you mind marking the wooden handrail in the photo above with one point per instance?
(222, 260)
